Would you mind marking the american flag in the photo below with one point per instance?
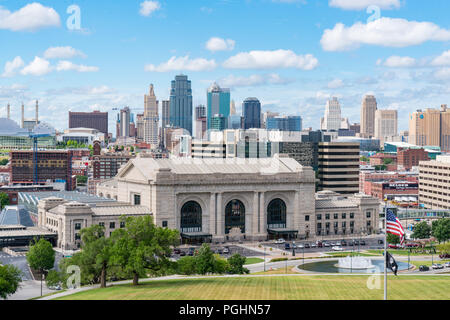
(393, 225)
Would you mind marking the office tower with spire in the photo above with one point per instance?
(368, 109)
(333, 119)
(181, 103)
(218, 103)
(151, 118)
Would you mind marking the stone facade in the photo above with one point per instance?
(68, 218)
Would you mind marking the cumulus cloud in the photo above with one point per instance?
(253, 80)
(63, 53)
(387, 32)
(38, 67)
(148, 7)
(271, 60)
(70, 66)
(12, 66)
(363, 4)
(442, 60)
(183, 64)
(398, 62)
(32, 17)
(335, 84)
(442, 74)
(218, 44)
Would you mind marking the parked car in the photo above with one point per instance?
(319, 244)
(301, 246)
(363, 243)
(447, 264)
(380, 242)
(220, 250)
(424, 268)
(351, 244)
(287, 246)
(336, 248)
(313, 245)
(326, 244)
(280, 241)
(343, 243)
(307, 246)
(191, 252)
(176, 251)
(356, 242)
(444, 256)
(56, 288)
(226, 250)
(437, 266)
(182, 253)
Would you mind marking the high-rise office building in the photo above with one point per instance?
(218, 103)
(385, 124)
(368, 109)
(431, 128)
(251, 111)
(151, 118)
(200, 122)
(140, 126)
(284, 123)
(181, 103)
(200, 112)
(339, 167)
(124, 122)
(232, 108)
(433, 183)
(218, 122)
(332, 119)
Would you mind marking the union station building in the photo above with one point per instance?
(220, 200)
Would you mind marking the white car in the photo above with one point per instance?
(280, 241)
(300, 246)
(337, 248)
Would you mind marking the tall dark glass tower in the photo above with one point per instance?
(181, 103)
(251, 110)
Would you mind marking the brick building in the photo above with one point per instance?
(408, 158)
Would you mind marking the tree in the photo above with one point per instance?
(41, 257)
(393, 238)
(53, 278)
(440, 229)
(142, 247)
(4, 162)
(422, 230)
(205, 260)
(364, 159)
(186, 266)
(96, 252)
(10, 278)
(387, 161)
(236, 263)
(4, 200)
(82, 180)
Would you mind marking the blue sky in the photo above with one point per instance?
(291, 54)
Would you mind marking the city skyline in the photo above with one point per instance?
(291, 64)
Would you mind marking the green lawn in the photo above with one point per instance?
(401, 253)
(253, 260)
(275, 288)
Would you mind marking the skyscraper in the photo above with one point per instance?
(332, 119)
(200, 121)
(181, 103)
(284, 123)
(232, 108)
(218, 102)
(251, 110)
(431, 128)
(165, 120)
(385, 124)
(151, 118)
(368, 109)
(124, 122)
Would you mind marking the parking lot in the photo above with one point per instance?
(224, 251)
(324, 246)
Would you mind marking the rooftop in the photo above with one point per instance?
(14, 216)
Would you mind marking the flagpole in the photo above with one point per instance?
(385, 249)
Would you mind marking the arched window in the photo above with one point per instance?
(276, 214)
(191, 217)
(234, 216)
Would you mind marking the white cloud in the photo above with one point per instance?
(388, 32)
(70, 66)
(442, 60)
(218, 44)
(148, 7)
(38, 67)
(442, 74)
(335, 84)
(63, 53)
(253, 80)
(12, 66)
(271, 60)
(363, 4)
(32, 17)
(183, 64)
(398, 62)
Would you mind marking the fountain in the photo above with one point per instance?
(357, 263)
